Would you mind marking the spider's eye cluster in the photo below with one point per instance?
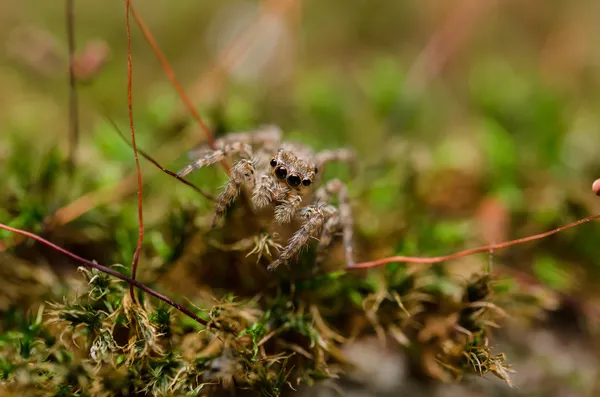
(280, 172)
(273, 162)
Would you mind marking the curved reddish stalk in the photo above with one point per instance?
(107, 270)
(138, 248)
(487, 248)
(171, 75)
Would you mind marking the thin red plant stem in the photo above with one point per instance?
(171, 75)
(132, 282)
(487, 248)
(73, 105)
(138, 248)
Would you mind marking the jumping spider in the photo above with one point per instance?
(283, 174)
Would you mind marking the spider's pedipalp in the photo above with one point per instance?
(284, 212)
(263, 191)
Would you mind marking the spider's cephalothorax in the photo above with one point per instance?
(284, 175)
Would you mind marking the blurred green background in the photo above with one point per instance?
(476, 121)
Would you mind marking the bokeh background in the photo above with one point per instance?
(476, 121)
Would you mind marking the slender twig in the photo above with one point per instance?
(73, 105)
(454, 31)
(157, 164)
(138, 248)
(107, 270)
(487, 248)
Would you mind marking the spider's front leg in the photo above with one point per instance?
(314, 222)
(331, 227)
(344, 220)
(242, 173)
(215, 156)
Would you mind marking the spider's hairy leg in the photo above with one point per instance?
(314, 222)
(215, 156)
(332, 225)
(335, 186)
(343, 155)
(285, 211)
(242, 173)
(265, 136)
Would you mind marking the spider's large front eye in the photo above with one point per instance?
(306, 182)
(293, 180)
(273, 162)
(280, 172)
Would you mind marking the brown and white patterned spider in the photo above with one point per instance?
(284, 174)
